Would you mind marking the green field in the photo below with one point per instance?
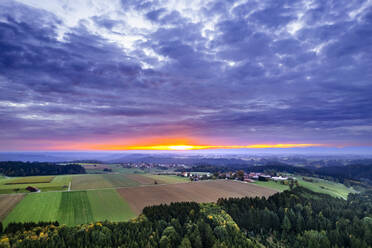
(327, 187)
(168, 178)
(318, 185)
(272, 185)
(36, 207)
(57, 184)
(71, 208)
(29, 180)
(102, 181)
(109, 205)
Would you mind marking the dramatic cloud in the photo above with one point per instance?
(214, 72)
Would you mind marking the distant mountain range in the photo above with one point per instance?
(216, 157)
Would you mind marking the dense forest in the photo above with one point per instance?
(21, 169)
(296, 218)
(302, 218)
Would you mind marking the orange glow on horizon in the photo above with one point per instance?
(185, 147)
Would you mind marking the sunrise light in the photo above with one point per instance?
(186, 147)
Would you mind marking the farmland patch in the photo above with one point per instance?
(7, 203)
(168, 178)
(30, 180)
(108, 205)
(205, 191)
(36, 207)
(75, 208)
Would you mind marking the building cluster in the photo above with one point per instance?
(195, 176)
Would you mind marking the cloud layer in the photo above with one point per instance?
(216, 72)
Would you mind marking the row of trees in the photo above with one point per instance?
(302, 218)
(20, 169)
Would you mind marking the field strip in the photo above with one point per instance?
(202, 191)
(7, 203)
(138, 186)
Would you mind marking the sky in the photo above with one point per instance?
(102, 75)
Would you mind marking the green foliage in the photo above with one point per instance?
(71, 208)
(182, 225)
(21, 169)
(303, 218)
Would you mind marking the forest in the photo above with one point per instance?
(21, 169)
(303, 218)
(295, 218)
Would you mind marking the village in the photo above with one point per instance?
(239, 175)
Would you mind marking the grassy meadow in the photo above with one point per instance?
(44, 183)
(71, 208)
(317, 185)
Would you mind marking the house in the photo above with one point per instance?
(32, 189)
(279, 178)
(264, 177)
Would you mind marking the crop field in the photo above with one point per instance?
(108, 205)
(71, 208)
(36, 207)
(203, 191)
(57, 183)
(273, 185)
(30, 180)
(145, 180)
(7, 203)
(168, 179)
(102, 181)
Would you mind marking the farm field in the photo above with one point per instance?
(145, 180)
(168, 178)
(7, 203)
(29, 180)
(93, 168)
(36, 207)
(80, 182)
(50, 183)
(108, 205)
(272, 185)
(71, 208)
(203, 191)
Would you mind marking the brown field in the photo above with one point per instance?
(31, 180)
(205, 191)
(7, 203)
(143, 179)
(94, 166)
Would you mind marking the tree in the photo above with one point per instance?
(164, 242)
(206, 234)
(185, 243)
(286, 225)
(240, 175)
(173, 236)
